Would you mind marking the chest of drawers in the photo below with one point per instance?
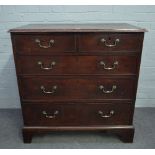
(78, 77)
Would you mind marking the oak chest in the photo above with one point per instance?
(78, 77)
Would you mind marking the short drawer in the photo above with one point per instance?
(44, 44)
(52, 65)
(47, 114)
(75, 88)
(110, 42)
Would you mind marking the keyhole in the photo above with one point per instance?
(109, 38)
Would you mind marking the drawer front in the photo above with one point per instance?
(70, 88)
(108, 42)
(77, 114)
(108, 114)
(44, 44)
(48, 115)
(52, 65)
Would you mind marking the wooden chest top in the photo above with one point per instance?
(101, 27)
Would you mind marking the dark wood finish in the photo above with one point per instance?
(90, 42)
(28, 65)
(77, 114)
(26, 44)
(27, 136)
(125, 133)
(76, 88)
(81, 64)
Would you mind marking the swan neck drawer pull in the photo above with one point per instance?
(115, 64)
(51, 116)
(110, 45)
(54, 88)
(53, 63)
(111, 113)
(51, 42)
(101, 87)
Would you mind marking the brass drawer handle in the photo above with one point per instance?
(53, 63)
(101, 87)
(110, 45)
(51, 42)
(54, 88)
(115, 64)
(111, 113)
(51, 116)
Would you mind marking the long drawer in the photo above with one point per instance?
(110, 42)
(44, 44)
(77, 114)
(74, 87)
(53, 65)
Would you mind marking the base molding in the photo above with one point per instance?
(125, 133)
